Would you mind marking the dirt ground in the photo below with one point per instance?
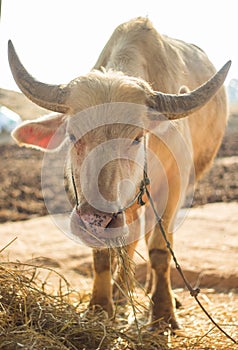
(206, 260)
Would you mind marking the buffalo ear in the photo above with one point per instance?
(45, 133)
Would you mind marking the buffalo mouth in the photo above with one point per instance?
(98, 230)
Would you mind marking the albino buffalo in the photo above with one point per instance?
(152, 107)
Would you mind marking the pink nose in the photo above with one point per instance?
(94, 228)
(95, 222)
(89, 228)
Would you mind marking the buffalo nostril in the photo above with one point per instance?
(117, 221)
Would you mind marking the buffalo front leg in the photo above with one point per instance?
(102, 287)
(162, 309)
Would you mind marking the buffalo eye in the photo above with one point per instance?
(136, 141)
(72, 138)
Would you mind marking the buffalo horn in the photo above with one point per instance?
(52, 97)
(178, 106)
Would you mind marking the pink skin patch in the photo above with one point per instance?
(96, 223)
(90, 227)
(97, 229)
(29, 136)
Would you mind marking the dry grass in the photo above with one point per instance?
(34, 314)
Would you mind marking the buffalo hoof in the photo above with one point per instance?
(163, 327)
(105, 305)
(163, 323)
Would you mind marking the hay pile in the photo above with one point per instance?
(35, 315)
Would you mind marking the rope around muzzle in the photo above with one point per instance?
(139, 196)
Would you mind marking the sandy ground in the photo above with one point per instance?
(206, 246)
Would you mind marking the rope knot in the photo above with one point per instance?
(145, 182)
(194, 293)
